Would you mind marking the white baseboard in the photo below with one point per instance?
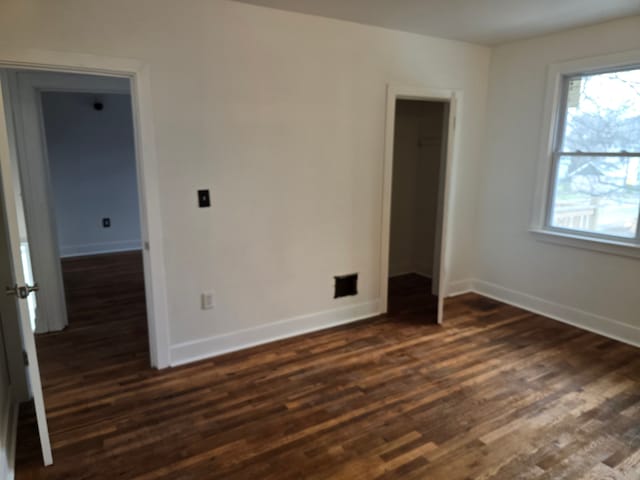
(98, 248)
(220, 344)
(188, 352)
(604, 326)
(459, 287)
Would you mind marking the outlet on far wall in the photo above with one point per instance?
(206, 301)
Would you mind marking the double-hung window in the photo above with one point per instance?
(594, 185)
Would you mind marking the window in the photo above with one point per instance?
(595, 169)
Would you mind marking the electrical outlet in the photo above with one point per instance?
(207, 301)
(204, 200)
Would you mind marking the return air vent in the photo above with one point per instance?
(346, 285)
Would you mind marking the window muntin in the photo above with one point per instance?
(596, 162)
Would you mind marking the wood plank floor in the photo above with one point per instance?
(497, 393)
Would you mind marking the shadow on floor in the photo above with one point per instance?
(410, 299)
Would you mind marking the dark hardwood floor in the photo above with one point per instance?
(495, 393)
(410, 297)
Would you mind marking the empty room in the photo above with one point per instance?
(320, 239)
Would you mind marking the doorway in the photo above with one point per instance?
(77, 184)
(72, 150)
(415, 199)
(420, 132)
(26, 384)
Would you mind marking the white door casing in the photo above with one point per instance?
(453, 98)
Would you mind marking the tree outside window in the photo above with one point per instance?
(597, 158)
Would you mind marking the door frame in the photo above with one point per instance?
(138, 75)
(454, 100)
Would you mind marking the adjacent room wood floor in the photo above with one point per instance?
(496, 393)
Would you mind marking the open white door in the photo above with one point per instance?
(22, 292)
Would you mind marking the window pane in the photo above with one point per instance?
(597, 194)
(603, 113)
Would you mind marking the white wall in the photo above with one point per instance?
(416, 166)
(93, 172)
(282, 115)
(593, 289)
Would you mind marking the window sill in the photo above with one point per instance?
(612, 247)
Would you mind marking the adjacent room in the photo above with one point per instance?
(320, 239)
(419, 158)
(90, 151)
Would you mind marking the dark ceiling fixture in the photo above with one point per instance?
(98, 105)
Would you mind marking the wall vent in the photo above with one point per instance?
(346, 285)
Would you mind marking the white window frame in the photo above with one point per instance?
(554, 113)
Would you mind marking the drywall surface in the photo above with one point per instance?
(416, 166)
(92, 165)
(599, 286)
(282, 116)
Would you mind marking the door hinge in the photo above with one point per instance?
(25, 357)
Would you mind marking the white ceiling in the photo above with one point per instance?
(478, 21)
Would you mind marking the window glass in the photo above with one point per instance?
(603, 113)
(596, 176)
(597, 194)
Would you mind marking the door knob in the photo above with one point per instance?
(22, 291)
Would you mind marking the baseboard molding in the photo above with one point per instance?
(459, 287)
(98, 248)
(604, 326)
(412, 272)
(399, 272)
(424, 274)
(188, 352)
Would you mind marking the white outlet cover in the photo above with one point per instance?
(207, 301)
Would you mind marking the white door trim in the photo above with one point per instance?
(148, 183)
(454, 99)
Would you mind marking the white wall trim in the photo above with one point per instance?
(607, 327)
(188, 352)
(459, 287)
(566, 239)
(98, 248)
